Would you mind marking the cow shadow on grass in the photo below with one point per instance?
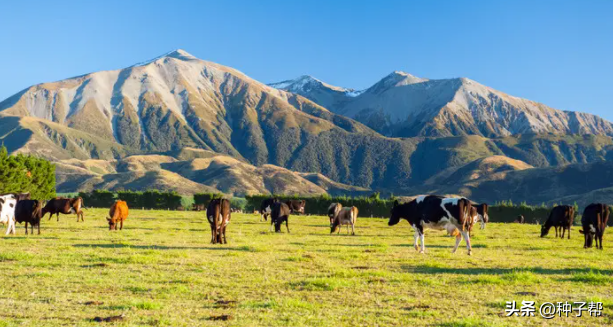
(501, 271)
(163, 247)
(436, 246)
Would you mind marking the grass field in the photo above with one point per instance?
(162, 271)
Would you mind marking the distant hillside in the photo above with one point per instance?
(584, 183)
(217, 173)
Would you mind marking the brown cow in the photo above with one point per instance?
(117, 214)
(65, 206)
(344, 216)
(218, 215)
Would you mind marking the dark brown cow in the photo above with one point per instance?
(560, 217)
(65, 206)
(594, 222)
(280, 213)
(218, 214)
(117, 215)
(30, 212)
(296, 206)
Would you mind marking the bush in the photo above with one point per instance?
(22, 174)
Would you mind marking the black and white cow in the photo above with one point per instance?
(266, 208)
(482, 215)
(435, 212)
(8, 203)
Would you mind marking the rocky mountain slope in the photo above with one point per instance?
(402, 105)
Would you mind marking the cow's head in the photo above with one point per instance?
(589, 236)
(401, 211)
(545, 230)
(334, 222)
(332, 212)
(111, 223)
(301, 206)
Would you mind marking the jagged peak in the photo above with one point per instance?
(306, 83)
(177, 54)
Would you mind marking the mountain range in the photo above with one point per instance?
(181, 123)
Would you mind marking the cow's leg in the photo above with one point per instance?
(38, 225)
(287, 224)
(458, 239)
(352, 229)
(467, 239)
(562, 231)
(225, 241)
(599, 238)
(58, 216)
(416, 236)
(121, 226)
(27, 229)
(421, 239)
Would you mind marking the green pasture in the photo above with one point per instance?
(161, 270)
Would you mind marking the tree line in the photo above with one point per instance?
(370, 206)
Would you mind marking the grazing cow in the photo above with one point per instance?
(266, 208)
(7, 212)
(65, 206)
(482, 215)
(197, 207)
(560, 217)
(296, 206)
(437, 213)
(332, 211)
(218, 214)
(279, 214)
(520, 219)
(117, 214)
(30, 212)
(344, 216)
(594, 222)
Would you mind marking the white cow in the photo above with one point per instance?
(7, 212)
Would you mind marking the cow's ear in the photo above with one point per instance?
(107, 218)
(580, 231)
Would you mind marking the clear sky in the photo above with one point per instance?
(556, 52)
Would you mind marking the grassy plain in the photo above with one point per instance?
(162, 271)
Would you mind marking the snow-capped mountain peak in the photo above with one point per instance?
(177, 54)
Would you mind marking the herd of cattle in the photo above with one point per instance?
(454, 215)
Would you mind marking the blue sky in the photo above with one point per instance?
(556, 52)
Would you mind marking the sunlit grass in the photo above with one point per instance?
(162, 271)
